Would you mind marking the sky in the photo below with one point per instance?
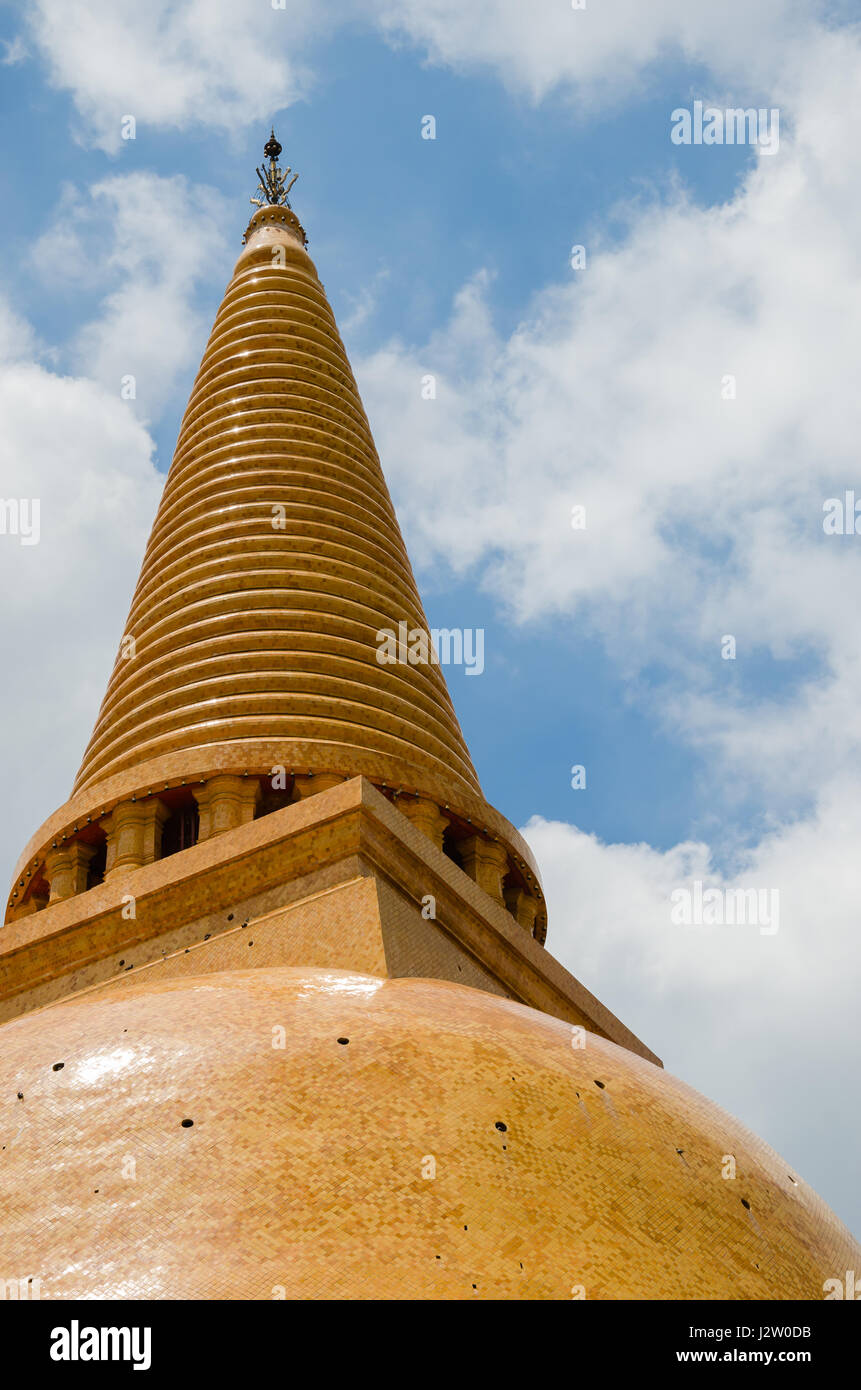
(691, 384)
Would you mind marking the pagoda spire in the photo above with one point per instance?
(250, 666)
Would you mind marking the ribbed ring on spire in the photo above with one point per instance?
(245, 630)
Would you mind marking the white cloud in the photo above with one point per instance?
(362, 306)
(763, 1024)
(129, 240)
(704, 515)
(17, 339)
(212, 63)
(15, 52)
(600, 52)
(84, 456)
(75, 445)
(203, 62)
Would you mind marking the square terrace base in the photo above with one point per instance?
(341, 880)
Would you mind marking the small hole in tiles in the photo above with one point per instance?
(251, 943)
(122, 962)
(466, 1228)
(207, 936)
(500, 1125)
(58, 1066)
(20, 1095)
(186, 950)
(244, 924)
(600, 1085)
(95, 1189)
(186, 1124)
(745, 1203)
(475, 1286)
(230, 916)
(343, 1041)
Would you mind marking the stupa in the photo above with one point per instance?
(277, 1019)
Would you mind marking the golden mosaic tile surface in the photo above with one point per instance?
(410, 1138)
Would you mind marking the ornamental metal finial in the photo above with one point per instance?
(272, 180)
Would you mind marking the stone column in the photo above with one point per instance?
(134, 834)
(27, 908)
(66, 869)
(425, 816)
(523, 907)
(225, 802)
(487, 862)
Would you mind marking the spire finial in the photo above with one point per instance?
(272, 180)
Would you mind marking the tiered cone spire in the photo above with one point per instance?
(274, 560)
(274, 563)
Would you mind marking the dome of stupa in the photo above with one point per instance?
(270, 1133)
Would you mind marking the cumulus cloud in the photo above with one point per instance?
(185, 63)
(762, 1023)
(142, 246)
(80, 454)
(598, 52)
(703, 508)
(704, 514)
(80, 450)
(17, 339)
(198, 62)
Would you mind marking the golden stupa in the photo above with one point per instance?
(277, 1017)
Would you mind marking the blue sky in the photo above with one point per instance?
(451, 256)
